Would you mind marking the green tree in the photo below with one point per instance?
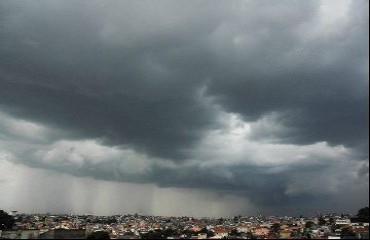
(363, 213)
(250, 235)
(296, 234)
(346, 230)
(188, 233)
(322, 221)
(203, 230)
(98, 235)
(347, 233)
(234, 232)
(6, 221)
(335, 227)
(275, 227)
(309, 224)
(160, 234)
(169, 232)
(208, 232)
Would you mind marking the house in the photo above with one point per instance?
(260, 231)
(334, 237)
(202, 236)
(343, 221)
(196, 229)
(285, 234)
(361, 232)
(272, 235)
(244, 228)
(220, 232)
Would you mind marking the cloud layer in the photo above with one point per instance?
(266, 102)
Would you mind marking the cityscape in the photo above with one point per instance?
(137, 226)
(184, 119)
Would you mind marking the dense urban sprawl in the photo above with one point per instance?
(137, 226)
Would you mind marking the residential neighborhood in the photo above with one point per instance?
(137, 226)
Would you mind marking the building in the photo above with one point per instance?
(334, 237)
(64, 234)
(220, 232)
(20, 234)
(202, 236)
(343, 221)
(260, 231)
(285, 234)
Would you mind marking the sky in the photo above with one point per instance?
(178, 107)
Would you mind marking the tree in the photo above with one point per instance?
(322, 221)
(347, 233)
(363, 213)
(160, 234)
(346, 230)
(295, 234)
(335, 227)
(98, 235)
(6, 221)
(275, 227)
(309, 224)
(208, 232)
(235, 233)
(250, 235)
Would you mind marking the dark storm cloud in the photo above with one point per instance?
(138, 84)
(321, 86)
(294, 186)
(62, 73)
(157, 126)
(155, 77)
(316, 108)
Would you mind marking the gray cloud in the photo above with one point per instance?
(236, 97)
(319, 83)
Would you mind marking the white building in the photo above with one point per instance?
(345, 221)
(333, 237)
(202, 236)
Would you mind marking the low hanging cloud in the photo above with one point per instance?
(264, 101)
(263, 173)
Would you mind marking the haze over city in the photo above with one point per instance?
(184, 108)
